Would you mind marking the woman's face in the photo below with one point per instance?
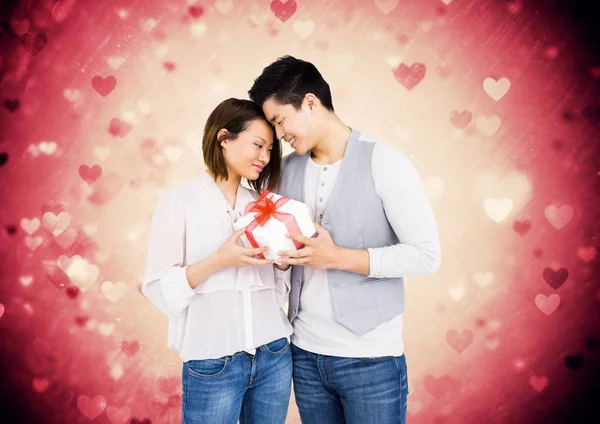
(247, 155)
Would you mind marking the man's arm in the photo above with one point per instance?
(409, 212)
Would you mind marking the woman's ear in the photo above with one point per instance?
(221, 136)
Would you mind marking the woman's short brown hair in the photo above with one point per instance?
(235, 115)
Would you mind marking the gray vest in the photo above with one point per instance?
(355, 218)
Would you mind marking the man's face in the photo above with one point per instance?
(294, 126)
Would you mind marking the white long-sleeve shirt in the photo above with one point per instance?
(234, 309)
(408, 210)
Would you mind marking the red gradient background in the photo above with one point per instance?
(496, 102)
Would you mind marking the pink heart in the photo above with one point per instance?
(91, 408)
(118, 128)
(283, 11)
(118, 415)
(437, 387)
(130, 348)
(459, 342)
(104, 86)
(410, 76)
(538, 383)
(90, 175)
(522, 227)
(460, 119)
(547, 304)
(168, 385)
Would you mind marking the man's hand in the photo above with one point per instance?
(318, 253)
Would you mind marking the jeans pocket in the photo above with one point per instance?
(208, 368)
(277, 347)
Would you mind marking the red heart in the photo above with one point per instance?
(73, 292)
(90, 175)
(104, 86)
(20, 27)
(34, 42)
(283, 11)
(410, 76)
(521, 227)
(40, 384)
(169, 66)
(119, 128)
(460, 119)
(12, 105)
(195, 11)
(144, 421)
(555, 278)
(81, 320)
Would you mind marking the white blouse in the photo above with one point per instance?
(233, 310)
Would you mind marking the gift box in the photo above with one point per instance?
(268, 218)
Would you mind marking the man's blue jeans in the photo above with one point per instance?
(254, 389)
(336, 390)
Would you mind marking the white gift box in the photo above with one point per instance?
(272, 234)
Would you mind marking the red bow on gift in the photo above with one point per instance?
(266, 209)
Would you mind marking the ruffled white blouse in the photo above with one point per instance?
(234, 309)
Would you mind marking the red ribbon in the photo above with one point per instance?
(266, 209)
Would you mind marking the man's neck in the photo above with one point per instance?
(332, 144)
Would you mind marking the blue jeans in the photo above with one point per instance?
(252, 388)
(336, 390)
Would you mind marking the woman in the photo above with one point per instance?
(224, 304)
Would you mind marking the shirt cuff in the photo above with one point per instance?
(374, 271)
(175, 289)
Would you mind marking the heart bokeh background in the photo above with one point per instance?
(496, 103)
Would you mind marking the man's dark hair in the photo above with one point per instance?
(287, 80)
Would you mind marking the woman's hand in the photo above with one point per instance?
(233, 255)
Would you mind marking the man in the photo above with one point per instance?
(375, 226)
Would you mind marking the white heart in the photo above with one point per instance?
(558, 217)
(115, 62)
(496, 89)
(304, 28)
(113, 292)
(483, 279)
(457, 292)
(488, 126)
(498, 209)
(386, 6)
(102, 152)
(224, 6)
(48, 147)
